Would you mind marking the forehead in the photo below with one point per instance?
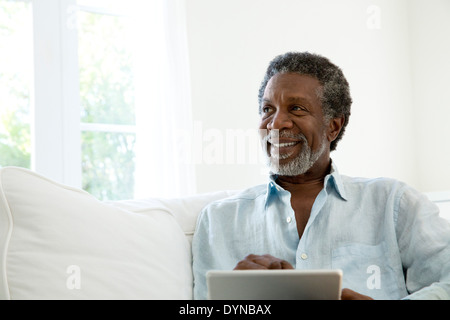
(292, 85)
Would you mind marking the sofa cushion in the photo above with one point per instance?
(184, 209)
(58, 242)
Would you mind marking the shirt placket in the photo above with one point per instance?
(305, 258)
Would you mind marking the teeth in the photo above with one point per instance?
(281, 145)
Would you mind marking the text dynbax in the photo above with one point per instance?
(226, 309)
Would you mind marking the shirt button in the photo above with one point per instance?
(288, 219)
(304, 256)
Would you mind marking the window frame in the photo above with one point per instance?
(56, 140)
(55, 104)
(56, 151)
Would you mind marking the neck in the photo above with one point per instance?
(311, 179)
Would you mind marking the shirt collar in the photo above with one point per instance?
(333, 180)
(337, 180)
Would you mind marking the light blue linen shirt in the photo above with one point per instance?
(387, 238)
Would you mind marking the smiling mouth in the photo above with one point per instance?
(282, 150)
(284, 144)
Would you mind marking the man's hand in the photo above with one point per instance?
(348, 294)
(266, 261)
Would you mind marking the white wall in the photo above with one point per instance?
(430, 51)
(231, 43)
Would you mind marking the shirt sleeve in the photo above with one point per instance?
(208, 251)
(200, 251)
(424, 243)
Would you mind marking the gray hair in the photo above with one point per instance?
(335, 92)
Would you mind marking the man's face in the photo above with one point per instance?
(292, 118)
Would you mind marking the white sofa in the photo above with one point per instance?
(57, 242)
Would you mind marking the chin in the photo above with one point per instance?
(293, 165)
(290, 168)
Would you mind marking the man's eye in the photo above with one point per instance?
(266, 109)
(298, 108)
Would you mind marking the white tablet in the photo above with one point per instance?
(274, 285)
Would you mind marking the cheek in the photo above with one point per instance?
(314, 131)
(262, 133)
(320, 138)
(263, 123)
(263, 127)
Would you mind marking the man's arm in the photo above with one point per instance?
(424, 243)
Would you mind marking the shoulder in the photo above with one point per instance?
(236, 203)
(381, 185)
(388, 191)
(250, 194)
(362, 181)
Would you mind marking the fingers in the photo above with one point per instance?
(262, 262)
(348, 294)
(248, 265)
(286, 265)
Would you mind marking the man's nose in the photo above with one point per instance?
(280, 121)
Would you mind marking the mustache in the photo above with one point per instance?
(276, 134)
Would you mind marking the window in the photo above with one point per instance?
(108, 119)
(105, 99)
(16, 40)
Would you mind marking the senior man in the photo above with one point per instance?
(308, 216)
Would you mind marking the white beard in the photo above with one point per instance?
(297, 166)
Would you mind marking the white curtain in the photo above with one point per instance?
(162, 97)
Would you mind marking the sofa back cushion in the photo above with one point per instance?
(184, 209)
(58, 242)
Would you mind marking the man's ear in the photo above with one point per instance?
(334, 127)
